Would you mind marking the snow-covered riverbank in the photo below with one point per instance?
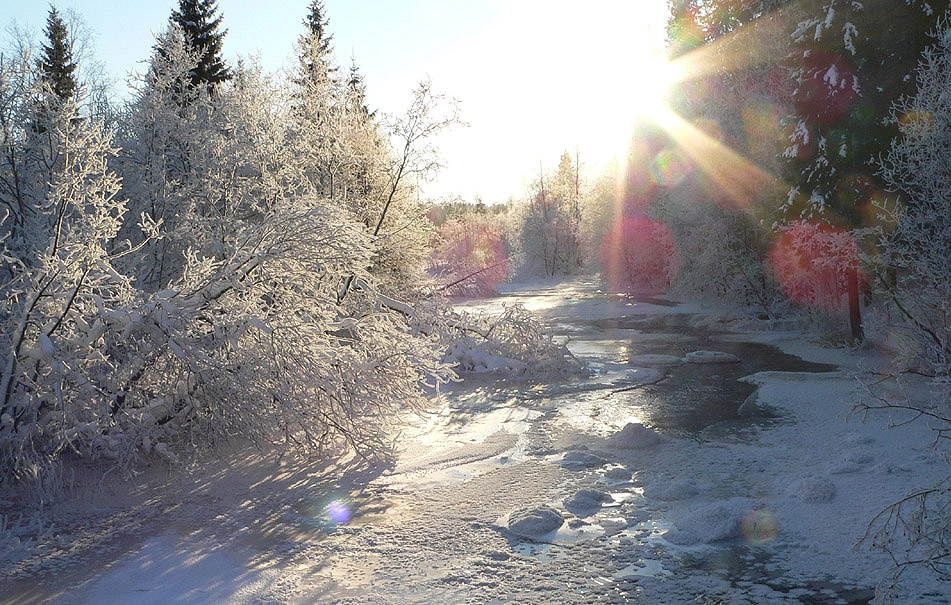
(536, 491)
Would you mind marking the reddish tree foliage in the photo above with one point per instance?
(639, 256)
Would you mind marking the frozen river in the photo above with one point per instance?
(695, 504)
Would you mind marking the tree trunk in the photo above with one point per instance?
(855, 312)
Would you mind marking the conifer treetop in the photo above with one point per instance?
(56, 62)
(200, 25)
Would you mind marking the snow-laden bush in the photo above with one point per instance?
(720, 252)
(61, 255)
(514, 342)
(639, 256)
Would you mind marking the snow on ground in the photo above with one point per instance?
(536, 492)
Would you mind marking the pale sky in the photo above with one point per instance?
(535, 78)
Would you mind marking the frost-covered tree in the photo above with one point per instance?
(199, 25)
(913, 248)
(54, 364)
(168, 138)
(915, 245)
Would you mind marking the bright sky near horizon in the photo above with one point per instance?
(535, 78)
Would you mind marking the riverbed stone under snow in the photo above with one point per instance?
(576, 460)
(535, 522)
(634, 436)
(587, 501)
(669, 491)
(813, 489)
(710, 357)
(712, 522)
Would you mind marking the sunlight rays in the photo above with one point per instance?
(737, 178)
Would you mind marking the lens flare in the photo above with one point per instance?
(916, 121)
(337, 512)
(669, 168)
(811, 262)
(639, 257)
(759, 527)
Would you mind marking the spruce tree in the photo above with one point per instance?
(316, 66)
(199, 24)
(56, 64)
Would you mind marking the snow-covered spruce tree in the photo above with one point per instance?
(199, 25)
(56, 64)
(849, 65)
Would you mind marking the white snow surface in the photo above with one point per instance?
(786, 499)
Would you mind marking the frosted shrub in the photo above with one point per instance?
(514, 342)
(58, 374)
(810, 261)
(638, 256)
(720, 255)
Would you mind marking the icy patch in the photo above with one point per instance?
(813, 489)
(710, 357)
(587, 501)
(671, 491)
(711, 523)
(534, 522)
(634, 436)
(167, 570)
(654, 359)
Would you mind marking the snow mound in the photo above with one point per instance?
(851, 461)
(618, 474)
(710, 357)
(634, 436)
(534, 522)
(675, 490)
(813, 489)
(577, 460)
(587, 501)
(654, 359)
(712, 522)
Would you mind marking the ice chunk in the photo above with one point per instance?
(710, 357)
